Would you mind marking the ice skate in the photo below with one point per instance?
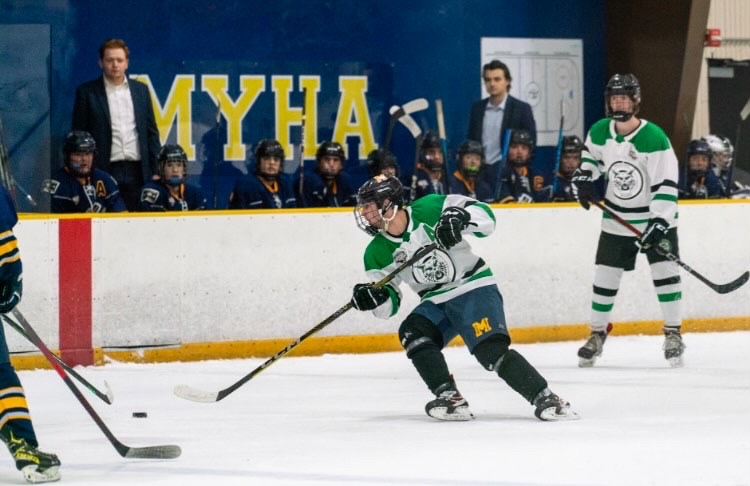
(449, 404)
(673, 347)
(588, 353)
(36, 466)
(550, 407)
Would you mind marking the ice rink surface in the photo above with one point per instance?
(359, 420)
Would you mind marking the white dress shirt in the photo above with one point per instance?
(121, 113)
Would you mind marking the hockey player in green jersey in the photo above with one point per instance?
(640, 170)
(458, 293)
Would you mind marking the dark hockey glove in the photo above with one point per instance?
(11, 287)
(582, 184)
(366, 297)
(448, 229)
(654, 237)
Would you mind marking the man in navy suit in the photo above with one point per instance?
(118, 112)
(492, 117)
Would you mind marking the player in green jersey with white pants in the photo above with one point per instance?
(640, 170)
(458, 293)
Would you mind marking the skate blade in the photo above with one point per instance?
(460, 414)
(49, 475)
(552, 415)
(676, 362)
(586, 363)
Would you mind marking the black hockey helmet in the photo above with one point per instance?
(78, 141)
(572, 144)
(469, 147)
(330, 149)
(430, 140)
(622, 84)
(379, 159)
(171, 153)
(268, 148)
(378, 189)
(699, 146)
(521, 136)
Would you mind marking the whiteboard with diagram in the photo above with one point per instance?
(547, 74)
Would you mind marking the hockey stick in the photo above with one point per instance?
(152, 452)
(409, 122)
(301, 202)
(720, 288)
(189, 393)
(443, 140)
(558, 154)
(498, 178)
(107, 397)
(396, 112)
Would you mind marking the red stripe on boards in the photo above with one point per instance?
(75, 291)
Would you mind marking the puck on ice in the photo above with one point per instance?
(140, 415)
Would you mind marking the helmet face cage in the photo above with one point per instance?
(521, 137)
(378, 189)
(622, 84)
(470, 147)
(171, 153)
(722, 150)
(78, 141)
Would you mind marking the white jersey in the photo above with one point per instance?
(640, 170)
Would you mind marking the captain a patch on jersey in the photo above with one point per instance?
(627, 180)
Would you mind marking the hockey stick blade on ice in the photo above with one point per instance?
(189, 393)
(719, 288)
(152, 452)
(107, 397)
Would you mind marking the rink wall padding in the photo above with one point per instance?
(235, 284)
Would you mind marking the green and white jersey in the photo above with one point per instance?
(640, 171)
(441, 275)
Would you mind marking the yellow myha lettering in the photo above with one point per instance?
(353, 117)
(233, 111)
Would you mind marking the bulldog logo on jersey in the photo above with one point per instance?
(435, 268)
(626, 179)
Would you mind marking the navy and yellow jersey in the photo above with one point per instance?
(317, 194)
(522, 184)
(10, 257)
(706, 186)
(640, 170)
(442, 274)
(478, 189)
(423, 183)
(98, 195)
(251, 192)
(156, 196)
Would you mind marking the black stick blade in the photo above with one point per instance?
(734, 285)
(152, 452)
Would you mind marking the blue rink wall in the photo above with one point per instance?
(194, 52)
(246, 283)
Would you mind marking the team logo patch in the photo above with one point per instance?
(149, 195)
(626, 179)
(50, 186)
(434, 268)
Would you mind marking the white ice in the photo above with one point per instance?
(359, 420)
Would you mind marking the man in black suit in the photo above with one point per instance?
(118, 112)
(492, 117)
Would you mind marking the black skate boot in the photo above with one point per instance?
(673, 347)
(449, 404)
(36, 466)
(550, 407)
(588, 353)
